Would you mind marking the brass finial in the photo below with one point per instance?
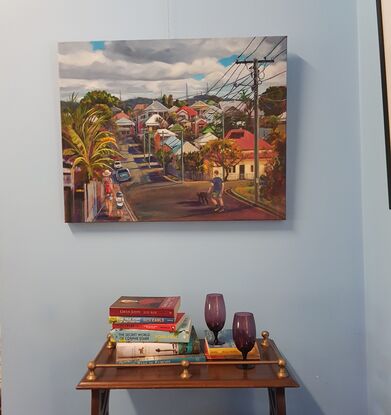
(91, 371)
(110, 343)
(282, 372)
(265, 338)
(185, 373)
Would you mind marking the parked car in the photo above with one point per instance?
(117, 164)
(122, 175)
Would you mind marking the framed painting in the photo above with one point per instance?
(384, 24)
(174, 130)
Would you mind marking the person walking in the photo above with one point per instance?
(216, 188)
(119, 201)
(108, 186)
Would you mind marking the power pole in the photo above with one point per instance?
(256, 63)
(187, 94)
(222, 143)
(256, 132)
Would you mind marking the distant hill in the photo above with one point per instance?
(204, 98)
(131, 102)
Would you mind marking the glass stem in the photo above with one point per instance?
(216, 341)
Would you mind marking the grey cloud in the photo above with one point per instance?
(99, 70)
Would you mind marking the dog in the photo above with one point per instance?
(203, 198)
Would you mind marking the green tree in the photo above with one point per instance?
(273, 100)
(248, 109)
(170, 101)
(164, 100)
(179, 103)
(87, 144)
(223, 153)
(164, 157)
(93, 98)
(216, 126)
(71, 103)
(273, 180)
(193, 162)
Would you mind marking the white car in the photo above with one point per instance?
(117, 164)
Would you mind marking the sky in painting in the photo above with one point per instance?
(148, 68)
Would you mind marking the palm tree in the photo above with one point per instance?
(87, 144)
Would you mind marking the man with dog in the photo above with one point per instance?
(216, 189)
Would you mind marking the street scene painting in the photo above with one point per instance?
(174, 130)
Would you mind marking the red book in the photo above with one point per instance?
(145, 306)
(171, 327)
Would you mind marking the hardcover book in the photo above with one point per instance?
(141, 320)
(155, 336)
(153, 360)
(131, 350)
(145, 306)
(227, 350)
(171, 327)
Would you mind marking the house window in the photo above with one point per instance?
(234, 169)
(252, 168)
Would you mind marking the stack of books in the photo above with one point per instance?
(151, 330)
(227, 349)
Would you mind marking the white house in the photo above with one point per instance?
(204, 139)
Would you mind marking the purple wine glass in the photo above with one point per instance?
(215, 313)
(244, 334)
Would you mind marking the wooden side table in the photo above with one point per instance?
(270, 372)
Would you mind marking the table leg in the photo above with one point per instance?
(100, 401)
(277, 401)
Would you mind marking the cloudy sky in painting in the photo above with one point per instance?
(149, 68)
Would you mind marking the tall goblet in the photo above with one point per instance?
(215, 313)
(244, 334)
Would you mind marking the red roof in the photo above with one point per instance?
(140, 107)
(245, 139)
(190, 111)
(121, 115)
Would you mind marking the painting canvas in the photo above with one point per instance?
(174, 130)
(384, 19)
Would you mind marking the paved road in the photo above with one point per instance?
(150, 196)
(177, 201)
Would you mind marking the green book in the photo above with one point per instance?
(182, 335)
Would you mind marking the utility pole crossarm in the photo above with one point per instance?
(259, 61)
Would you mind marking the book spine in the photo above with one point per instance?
(146, 336)
(147, 326)
(177, 359)
(142, 312)
(131, 350)
(141, 320)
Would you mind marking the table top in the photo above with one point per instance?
(203, 375)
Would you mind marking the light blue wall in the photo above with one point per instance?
(303, 278)
(376, 216)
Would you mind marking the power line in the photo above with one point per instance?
(259, 44)
(231, 67)
(275, 47)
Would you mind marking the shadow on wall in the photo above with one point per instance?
(297, 70)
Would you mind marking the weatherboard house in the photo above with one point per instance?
(246, 141)
(125, 126)
(244, 170)
(186, 113)
(155, 108)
